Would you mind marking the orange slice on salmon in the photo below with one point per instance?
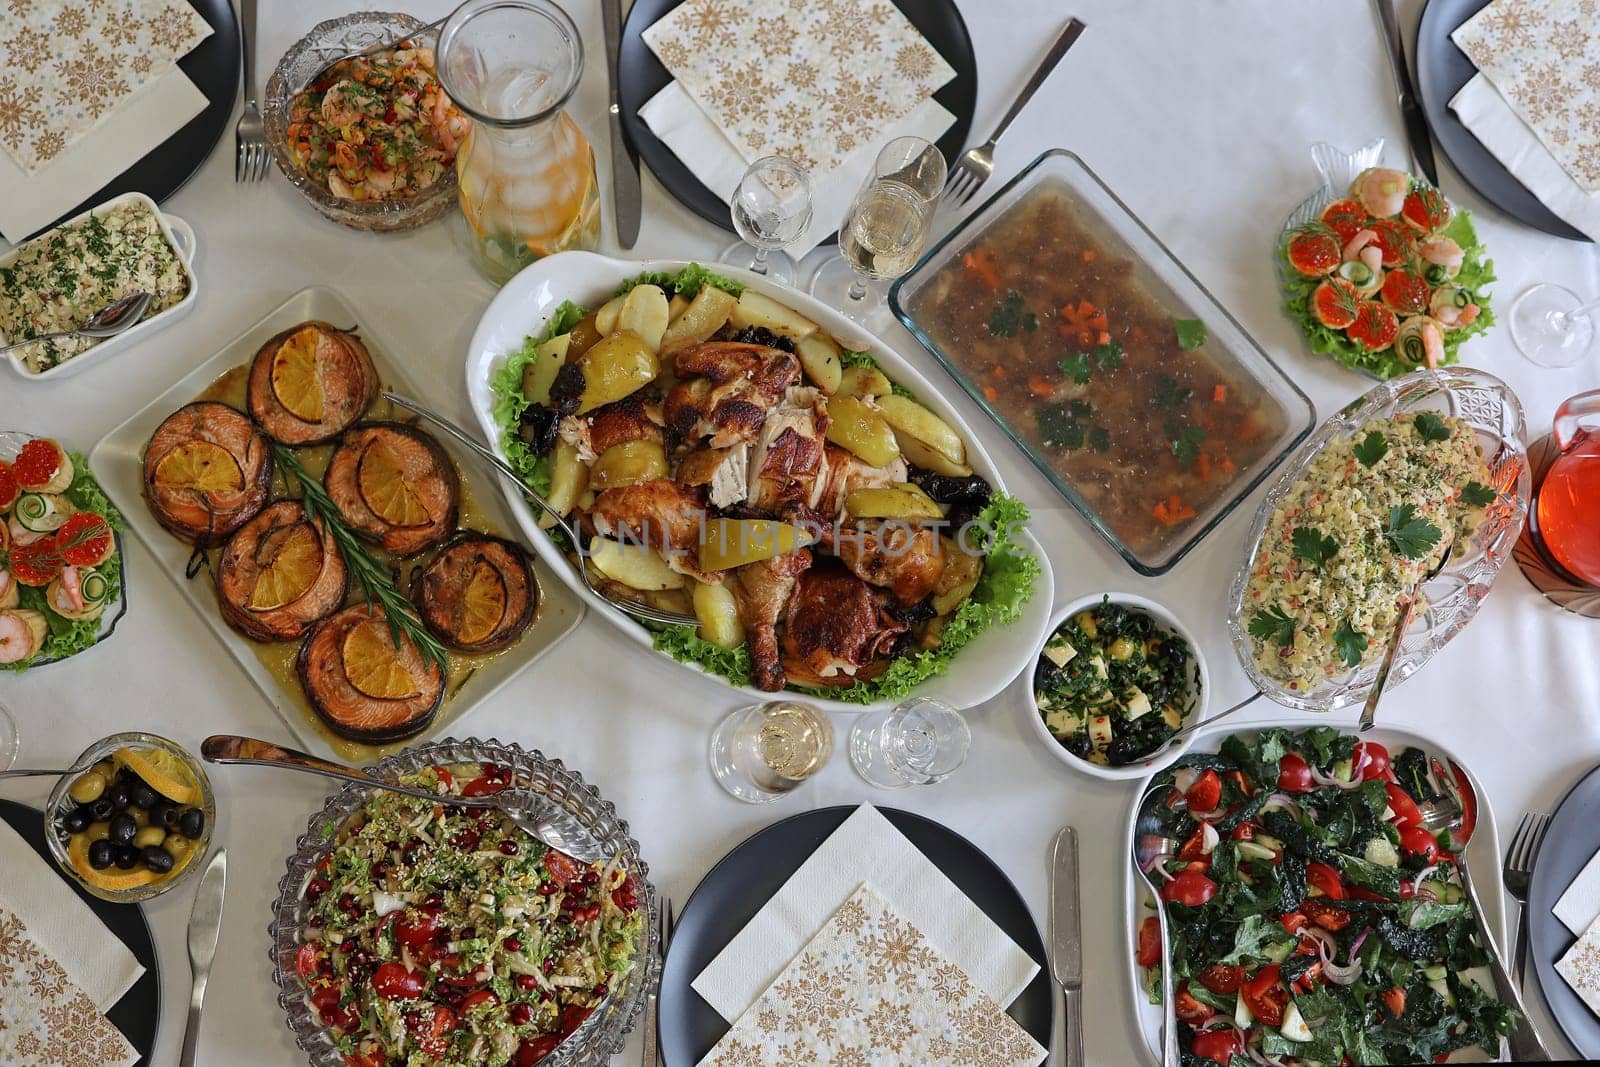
(199, 465)
(295, 378)
(292, 572)
(373, 664)
(483, 605)
(386, 490)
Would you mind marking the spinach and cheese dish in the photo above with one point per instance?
(1371, 516)
(1312, 917)
(59, 279)
(437, 934)
(1112, 684)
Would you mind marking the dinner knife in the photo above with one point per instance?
(625, 191)
(205, 923)
(1066, 938)
(1406, 94)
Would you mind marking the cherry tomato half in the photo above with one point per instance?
(1395, 1001)
(1190, 888)
(1406, 812)
(305, 962)
(1293, 922)
(483, 787)
(1294, 774)
(1190, 1008)
(1206, 793)
(1326, 915)
(1148, 953)
(1219, 1046)
(1325, 880)
(393, 982)
(1222, 978)
(1194, 849)
(1373, 759)
(416, 928)
(482, 996)
(562, 868)
(1266, 996)
(531, 1052)
(432, 1026)
(1416, 840)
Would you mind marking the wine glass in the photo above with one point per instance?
(919, 742)
(1551, 325)
(761, 752)
(885, 229)
(771, 208)
(9, 739)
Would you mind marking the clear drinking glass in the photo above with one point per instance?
(10, 739)
(526, 172)
(919, 742)
(771, 209)
(1551, 325)
(885, 229)
(761, 752)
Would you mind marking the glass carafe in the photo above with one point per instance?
(527, 174)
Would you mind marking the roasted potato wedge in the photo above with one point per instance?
(718, 612)
(921, 455)
(605, 319)
(705, 315)
(892, 502)
(676, 306)
(569, 477)
(819, 358)
(629, 463)
(911, 419)
(538, 375)
(962, 570)
(614, 368)
(585, 335)
(635, 566)
(727, 543)
(863, 381)
(854, 425)
(755, 309)
(645, 313)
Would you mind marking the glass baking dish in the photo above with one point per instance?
(1136, 393)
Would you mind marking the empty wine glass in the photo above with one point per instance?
(771, 209)
(918, 742)
(1551, 325)
(761, 752)
(885, 229)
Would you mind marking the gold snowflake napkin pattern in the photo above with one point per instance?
(809, 79)
(65, 65)
(45, 1019)
(1581, 967)
(1544, 58)
(870, 991)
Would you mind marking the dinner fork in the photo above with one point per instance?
(1517, 874)
(976, 164)
(666, 922)
(250, 135)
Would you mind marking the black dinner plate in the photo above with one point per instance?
(737, 887)
(139, 1011)
(1442, 69)
(642, 76)
(214, 67)
(1572, 838)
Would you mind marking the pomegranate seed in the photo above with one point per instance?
(521, 1014)
(317, 887)
(513, 944)
(509, 848)
(526, 982)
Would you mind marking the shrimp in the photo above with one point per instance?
(381, 183)
(1420, 340)
(348, 102)
(8, 590)
(1360, 247)
(1381, 191)
(340, 188)
(20, 639)
(69, 595)
(449, 125)
(1443, 256)
(1454, 306)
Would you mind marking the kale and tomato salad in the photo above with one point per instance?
(1312, 917)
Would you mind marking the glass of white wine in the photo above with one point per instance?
(771, 209)
(885, 229)
(761, 752)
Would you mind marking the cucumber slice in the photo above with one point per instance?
(95, 588)
(1294, 1024)
(41, 512)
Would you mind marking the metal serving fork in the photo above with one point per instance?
(976, 164)
(666, 922)
(250, 135)
(1517, 875)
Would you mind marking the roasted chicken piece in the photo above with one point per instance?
(788, 461)
(660, 514)
(837, 626)
(633, 418)
(725, 473)
(848, 472)
(907, 560)
(726, 390)
(762, 591)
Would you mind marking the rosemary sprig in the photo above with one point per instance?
(372, 576)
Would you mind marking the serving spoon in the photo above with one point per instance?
(1150, 844)
(107, 322)
(636, 608)
(1408, 608)
(552, 825)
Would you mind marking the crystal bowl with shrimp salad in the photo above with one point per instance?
(422, 932)
(370, 140)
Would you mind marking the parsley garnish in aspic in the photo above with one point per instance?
(1109, 355)
(1191, 333)
(1067, 426)
(1167, 393)
(1313, 546)
(1077, 368)
(1352, 644)
(1185, 441)
(1008, 316)
(1477, 495)
(1409, 534)
(1273, 624)
(1372, 448)
(1431, 427)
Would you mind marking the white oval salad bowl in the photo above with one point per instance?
(976, 673)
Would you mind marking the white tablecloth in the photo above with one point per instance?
(1200, 116)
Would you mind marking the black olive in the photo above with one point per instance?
(127, 857)
(121, 795)
(566, 392)
(538, 428)
(143, 796)
(123, 829)
(101, 809)
(157, 859)
(1078, 744)
(760, 335)
(192, 822)
(911, 614)
(76, 821)
(164, 813)
(102, 854)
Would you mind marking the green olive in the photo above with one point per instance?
(177, 845)
(141, 818)
(88, 788)
(99, 831)
(150, 835)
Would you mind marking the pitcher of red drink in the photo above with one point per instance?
(1565, 519)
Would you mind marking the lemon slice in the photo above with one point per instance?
(373, 667)
(291, 573)
(384, 487)
(199, 465)
(483, 606)
(295, 380)
(111, 879)
(163, 772)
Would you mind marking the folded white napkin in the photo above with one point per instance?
(865, 848)
(1494, 122)
(62, 925)
(1581, 967)
(1579, 906)
(143, 121)
(694, 138)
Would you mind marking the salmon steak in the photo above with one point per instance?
(362, 684)
(478, 595)
(395, 485)
(280, 574)
(309, 383)
(207, 472)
